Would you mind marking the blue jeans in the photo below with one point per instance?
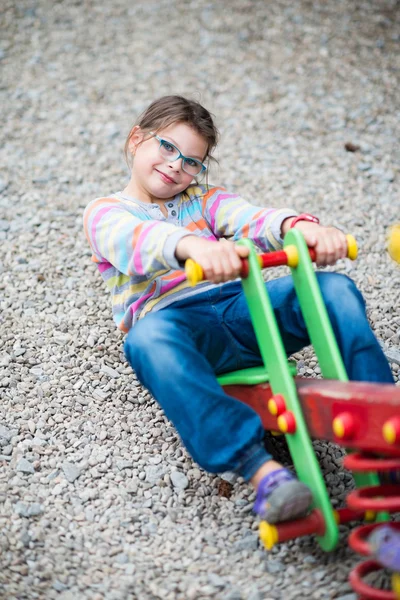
(177, 352)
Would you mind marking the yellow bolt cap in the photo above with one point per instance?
(370, 515)
(338, 427)
(282, 424)
(292, 256)
(272, 407)
(389, 433)
(268, 535)
(394, 243)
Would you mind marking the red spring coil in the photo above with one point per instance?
(366, 499)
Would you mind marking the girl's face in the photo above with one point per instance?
(154, 177)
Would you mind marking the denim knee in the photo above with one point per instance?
(138, 344)
(151, 346)
(341, 295)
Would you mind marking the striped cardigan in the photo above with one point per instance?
(134, 244)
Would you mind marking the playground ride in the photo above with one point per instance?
(363, 417)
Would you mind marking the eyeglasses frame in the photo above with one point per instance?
(180, 155)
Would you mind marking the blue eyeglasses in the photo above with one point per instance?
(169, 152)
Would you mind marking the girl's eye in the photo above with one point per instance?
(168, 147)
(191, 162)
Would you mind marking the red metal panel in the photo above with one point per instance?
(371, 405)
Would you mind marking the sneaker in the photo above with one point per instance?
(384, 542)
(282, 497)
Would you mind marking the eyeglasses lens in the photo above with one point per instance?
(189, 165)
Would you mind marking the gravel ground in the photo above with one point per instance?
(98, 499)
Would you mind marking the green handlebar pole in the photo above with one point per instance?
(281, 381)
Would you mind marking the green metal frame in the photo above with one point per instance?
(279, 372)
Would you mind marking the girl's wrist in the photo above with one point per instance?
(182, 250)
(286, 225)
(292, 222)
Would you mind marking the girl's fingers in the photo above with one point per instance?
(331, 246)
(242, 251)
(343, 245)
(207, 268)
(224, 263)
(231, 264)
(227, 269)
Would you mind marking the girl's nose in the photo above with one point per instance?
(176, 165)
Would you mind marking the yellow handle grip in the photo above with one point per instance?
(194, 272)
(352, 248)
(394, 243)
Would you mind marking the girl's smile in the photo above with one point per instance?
(165, 178)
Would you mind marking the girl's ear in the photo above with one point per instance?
(135, 139)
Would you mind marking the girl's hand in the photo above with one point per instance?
(329, 243)
(220, 261)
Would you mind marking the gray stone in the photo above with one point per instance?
(24, 466)
(393, 355)
(248, 542)
(7, 433)
(71, 471)
(216, 580)
(110, 372)
(179, 480)
(59, 586)
(38, 441)
(229, 476)
(232, 594)
(124, 464)
(275, 567)
(154, 473)
(28, 510)
(121, 559)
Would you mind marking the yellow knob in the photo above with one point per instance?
(338, 427)
(391, 430)
(394, 243)
(389, 433)
(396, 585)
(344, 426)
(282, 424)
(194, 272)
(352, 248)
(272, 407)
(292, 255)
(268, 535)
(370, 515)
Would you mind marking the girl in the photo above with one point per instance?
(180, 338)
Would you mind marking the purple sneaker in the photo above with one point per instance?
(384, 542)
(282, 497)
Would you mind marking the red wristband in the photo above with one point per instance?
(304, 217)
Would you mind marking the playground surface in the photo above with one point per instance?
(98, 498)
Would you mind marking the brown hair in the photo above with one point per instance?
(176, 109)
